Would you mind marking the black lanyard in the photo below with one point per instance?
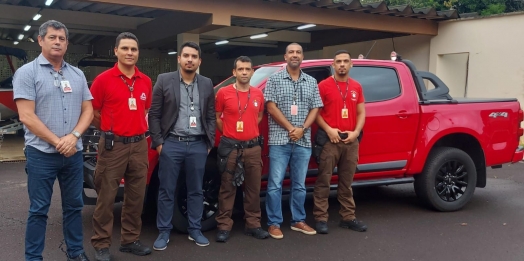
(55, 74)
(343, 95)
(295, 87)
(130, 87)
(190, 93)
(239, 106)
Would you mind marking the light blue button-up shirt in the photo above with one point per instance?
(58, 111)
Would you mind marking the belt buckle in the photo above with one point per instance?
(180, 138)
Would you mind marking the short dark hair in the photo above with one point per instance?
(243, 59)
(342, 52)
(294, 44)
(42, 31)
(191, 45)
(125, 35)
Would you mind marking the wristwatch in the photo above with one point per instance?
(76, 134)
(304, 129)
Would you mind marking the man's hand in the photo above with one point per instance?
(66, 144)
(296, 133)
(208, 150)
(159, 149)
(352, 136)
(333, 135)
(71, 152)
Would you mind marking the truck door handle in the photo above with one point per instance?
(403, 114)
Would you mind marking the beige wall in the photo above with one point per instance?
(496, 56)
(453, 70)
(413, 47)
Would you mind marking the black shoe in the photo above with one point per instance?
(81, 257)
(321, 227)
(353, 225)
(102, 254)
(222, 236)
(257, 233)
(136, 248)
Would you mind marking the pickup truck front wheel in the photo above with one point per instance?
(448, 180)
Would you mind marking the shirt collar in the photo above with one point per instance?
(182, 80)
(286, 75)
(43, 61)
(117, 72)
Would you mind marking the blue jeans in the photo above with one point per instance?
(298, 159)
(42, 171)
(172, 157)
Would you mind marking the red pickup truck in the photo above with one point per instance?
(415, 132)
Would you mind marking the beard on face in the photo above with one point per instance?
(339, 73)
(293, 63)
(189, 70)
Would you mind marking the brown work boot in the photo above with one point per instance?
(304, 228)
(275, 232)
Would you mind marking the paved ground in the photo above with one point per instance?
(490, 227)
(12, 148)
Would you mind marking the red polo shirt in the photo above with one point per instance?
(332, 98)
(111, 97)
(227, 103)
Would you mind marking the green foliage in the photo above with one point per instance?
(483, 7)
(493, 9)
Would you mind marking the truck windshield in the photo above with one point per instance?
(260, 75)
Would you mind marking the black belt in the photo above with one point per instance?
(187, 138)
(127, 139)
(245, 144)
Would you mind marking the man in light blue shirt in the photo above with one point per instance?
(54, 104)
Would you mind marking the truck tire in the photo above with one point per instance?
(210, 188)
(448, 180)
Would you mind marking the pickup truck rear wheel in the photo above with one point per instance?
(210, 188)
(448, 180)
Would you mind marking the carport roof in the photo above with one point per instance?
(379, 7)
(137, 15)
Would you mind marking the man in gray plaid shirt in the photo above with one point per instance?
(293, 101)
(54, 104)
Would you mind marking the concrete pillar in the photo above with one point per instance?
(185, 37)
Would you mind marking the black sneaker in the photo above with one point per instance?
(136, 248)
(257, 233)
(102, 254)
(81, 257)
(353, 225)
(321, 227)
(222, 236)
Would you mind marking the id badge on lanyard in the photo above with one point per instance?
(192, 122)
(66, 86)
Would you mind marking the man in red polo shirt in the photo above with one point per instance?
(340, 122)
(122, 98)
(239, 110)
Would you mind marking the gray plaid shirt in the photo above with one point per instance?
(283, 91)
(58, 111)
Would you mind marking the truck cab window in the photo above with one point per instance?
(378, 83)
(319, 73)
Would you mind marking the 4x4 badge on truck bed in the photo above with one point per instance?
(498, 114)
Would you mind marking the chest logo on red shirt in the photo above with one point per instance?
(354, 95)
(255, 102)
(143, 97)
